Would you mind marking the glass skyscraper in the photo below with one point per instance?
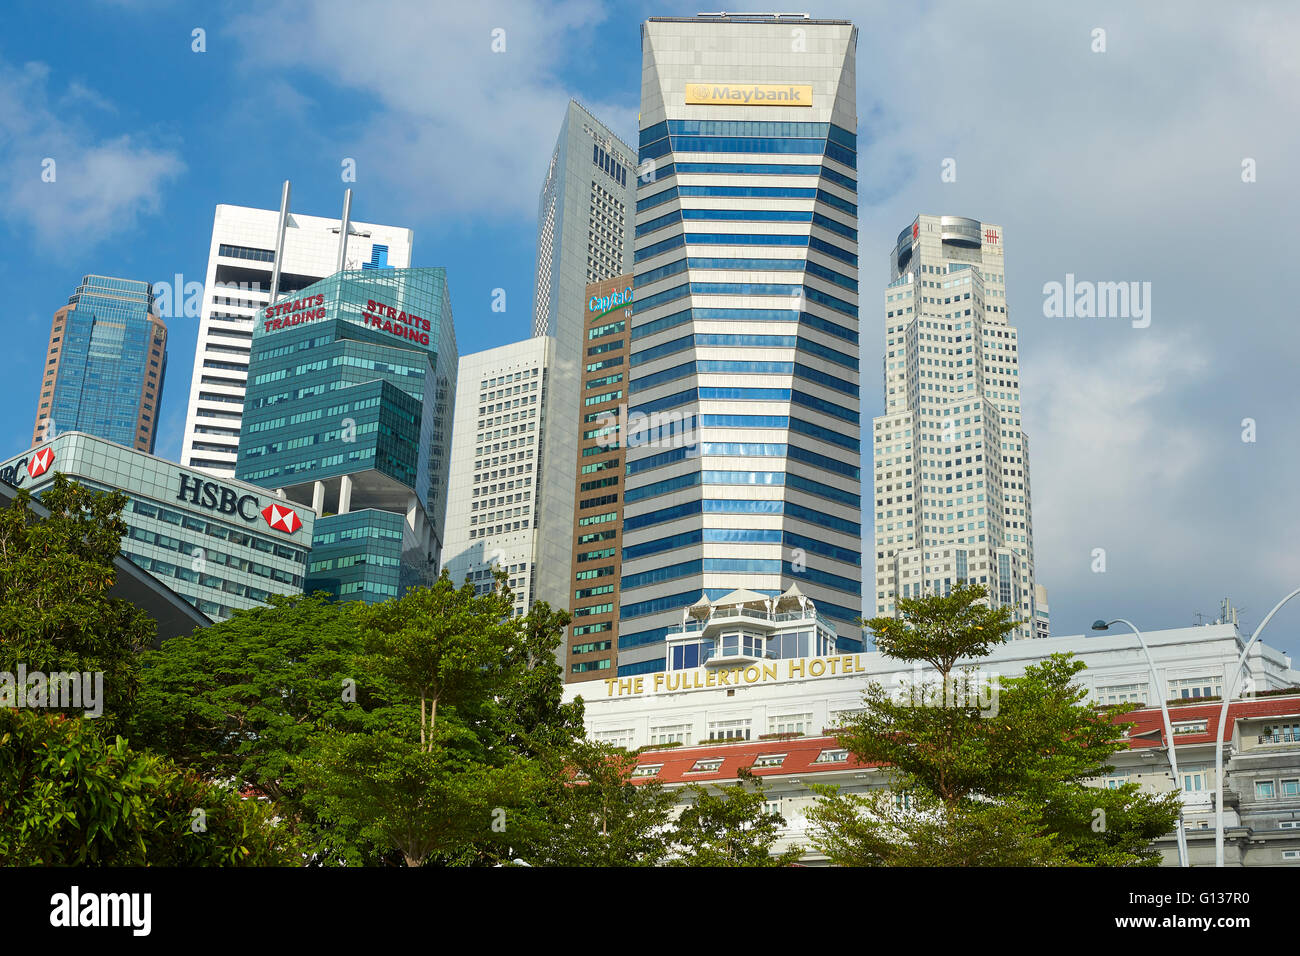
(105, 366)
(351, 382)
(744, 334)
(584, 235)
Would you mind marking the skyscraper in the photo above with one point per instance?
(952, 492)
(351, 383)
(744, 333)
(241, 268)
(584, 235)
(105, 366)
(494, 502)
(592, 651)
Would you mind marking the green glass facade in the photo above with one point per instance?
(348, 409)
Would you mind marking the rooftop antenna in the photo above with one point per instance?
(344, 224)
(1200, 618)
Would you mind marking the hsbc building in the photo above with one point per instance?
(222, 544)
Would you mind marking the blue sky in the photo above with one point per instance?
(1122, 165)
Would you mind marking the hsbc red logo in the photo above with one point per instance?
(40, 462)
(281, 518)
(916, 229)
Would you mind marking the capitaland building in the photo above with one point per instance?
(745, 326)
(106, 364)
(951, 459)
(351, 383)
(221, 544)
(592, 650)
(255, 256)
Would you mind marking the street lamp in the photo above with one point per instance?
(1223, 722)
(1169, 732)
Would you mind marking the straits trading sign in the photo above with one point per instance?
(748, 94)
(707, 678)
(377, 315)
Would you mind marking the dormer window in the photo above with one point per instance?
(708, 765)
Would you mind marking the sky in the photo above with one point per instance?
(1162, 151)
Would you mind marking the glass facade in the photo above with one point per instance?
(351, 382)
(106, 364)
(210, 540)
(745, 214)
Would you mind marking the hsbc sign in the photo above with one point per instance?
(34, 465)
(227, 501)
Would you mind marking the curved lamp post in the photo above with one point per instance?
(1223, 722)
(1169, 733)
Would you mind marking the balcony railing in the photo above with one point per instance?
(1286, 737)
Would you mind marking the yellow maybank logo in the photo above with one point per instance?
(752, 94)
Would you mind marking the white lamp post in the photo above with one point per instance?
(1233, 678)
(1169, 732)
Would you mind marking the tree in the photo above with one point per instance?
(427, 797)
(444, 773)
(56, 613)
(729, 827)
(997, 773)
(440, 645)
(912, 828)
(70, 797)
(597, 816)
(243, 699)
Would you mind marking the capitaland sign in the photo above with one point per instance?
(610, 300)
(227, 501)
(748, 94)
(764, 672)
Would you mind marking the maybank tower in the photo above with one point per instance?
(742, 422)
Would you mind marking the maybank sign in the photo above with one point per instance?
(702, 678)
(751, 94)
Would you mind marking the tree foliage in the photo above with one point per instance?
(595, 815)
(729, 826)
(995, 774)
(70, 797)
(56, 613)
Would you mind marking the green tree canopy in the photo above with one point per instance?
(71, 797)
(729, 826)
(1008, 760)
(56, 613)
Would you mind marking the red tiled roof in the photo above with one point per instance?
(1149, 729)
(801, 752)
(799, 756)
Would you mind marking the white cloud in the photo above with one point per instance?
(453, 126)
(100, 184)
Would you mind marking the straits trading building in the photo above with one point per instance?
(351, 381)
(745, 325)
